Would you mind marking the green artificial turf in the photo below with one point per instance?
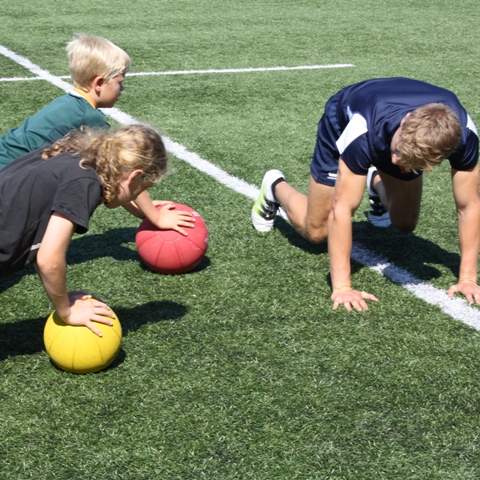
(241, 369)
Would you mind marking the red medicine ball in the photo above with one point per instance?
(169, 252)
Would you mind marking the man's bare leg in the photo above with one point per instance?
(401, 198)
(308, 214)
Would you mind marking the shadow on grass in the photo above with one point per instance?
(204, 263)
(109, 244)
(26, 337)
(407, 251)
(7, 282)
(88, 247)
(296, 240)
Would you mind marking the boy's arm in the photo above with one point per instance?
(51, 266)
(465, 191)
(166, 218)
(347, 196)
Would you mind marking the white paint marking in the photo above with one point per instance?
(457, 308)
(190, 72)
(19, 79)
(243, 70)
(40, 72)
(192, 158)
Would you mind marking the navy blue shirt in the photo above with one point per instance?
(370, 112)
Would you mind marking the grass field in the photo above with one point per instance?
(241, 369)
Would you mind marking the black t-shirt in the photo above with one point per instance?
(31, 189)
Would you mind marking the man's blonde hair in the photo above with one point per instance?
(429, 135)
(113, 153)
(91, 56)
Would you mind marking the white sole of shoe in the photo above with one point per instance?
(260, 224)
(382, 221)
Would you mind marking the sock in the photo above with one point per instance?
(372, 184)
(274, 184)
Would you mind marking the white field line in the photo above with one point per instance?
(458, 308)
(197, 72)
(243, 70)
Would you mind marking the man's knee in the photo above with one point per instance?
(316, 234)
(405, 225)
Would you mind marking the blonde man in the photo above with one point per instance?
(383, 132)
(97, 68)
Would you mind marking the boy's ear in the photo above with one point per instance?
(98, 82)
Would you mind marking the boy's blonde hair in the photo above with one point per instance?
(429, 135)
(91, 56)
(113, 153)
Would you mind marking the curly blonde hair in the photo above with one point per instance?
(429, 135)
(91, 56)
(113, 153)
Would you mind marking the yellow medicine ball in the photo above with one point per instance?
(77, 349)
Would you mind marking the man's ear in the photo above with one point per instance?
(404, 119)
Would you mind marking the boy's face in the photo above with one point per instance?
(110, 92)
(130, 187)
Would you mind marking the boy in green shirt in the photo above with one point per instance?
(97, 69)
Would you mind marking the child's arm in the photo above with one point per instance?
(165, 219)
(52, 268)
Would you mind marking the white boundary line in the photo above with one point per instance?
(457, 308)
(197, 72)
(243, 70)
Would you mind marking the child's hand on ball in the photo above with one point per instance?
(169, 250)
(85, 310)
(171, 219)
